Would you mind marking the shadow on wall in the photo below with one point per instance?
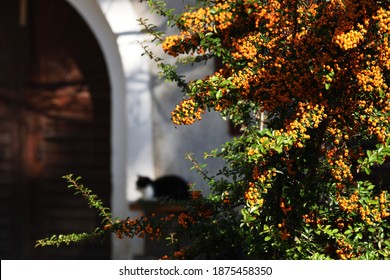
(172, 143)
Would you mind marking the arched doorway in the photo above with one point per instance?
(54, 120)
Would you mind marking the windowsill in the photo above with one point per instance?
(157, 206)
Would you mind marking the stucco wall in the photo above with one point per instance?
(171, 143)
(144, 141)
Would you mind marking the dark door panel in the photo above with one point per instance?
(54, 120)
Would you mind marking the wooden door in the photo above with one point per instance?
(54, 120)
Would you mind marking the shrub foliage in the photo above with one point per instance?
(307, 83)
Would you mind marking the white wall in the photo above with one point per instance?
(144, 141)
(171, 143)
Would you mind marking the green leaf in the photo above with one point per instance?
(347, 232)
(218, 94)
(372, 230)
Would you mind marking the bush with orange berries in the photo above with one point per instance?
(307, 181)
(320, 72)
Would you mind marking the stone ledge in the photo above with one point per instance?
(157, 206)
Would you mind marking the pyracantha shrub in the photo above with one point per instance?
(319, 70)
(307, 84)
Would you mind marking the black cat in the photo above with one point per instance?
(169, 186)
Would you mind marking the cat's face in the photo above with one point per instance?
(143, 182)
